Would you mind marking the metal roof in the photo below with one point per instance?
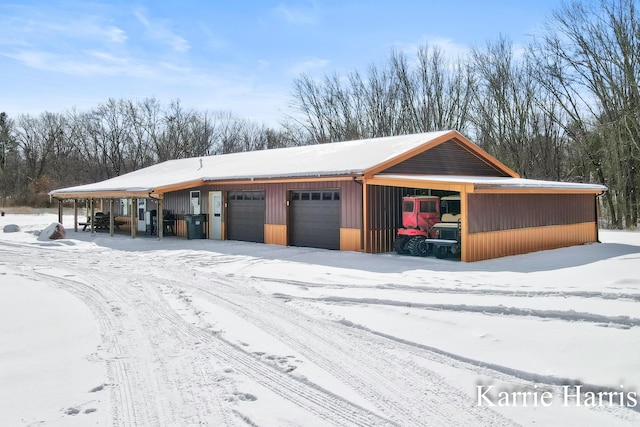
(358, 158)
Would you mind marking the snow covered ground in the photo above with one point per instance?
(99, 330)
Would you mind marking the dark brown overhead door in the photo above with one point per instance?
(315, 219)
(245, 216)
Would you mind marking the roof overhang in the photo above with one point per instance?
(158, 192)
(481, 184)
(101, 194)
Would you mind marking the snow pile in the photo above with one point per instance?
(53, 231)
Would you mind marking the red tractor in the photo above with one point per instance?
(430, 225)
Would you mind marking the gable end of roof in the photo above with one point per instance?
(484, 162)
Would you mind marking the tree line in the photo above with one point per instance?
(55, 150)
(563, 107)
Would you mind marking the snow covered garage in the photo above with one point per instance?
(348, 196)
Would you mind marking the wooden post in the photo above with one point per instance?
(93, 215)
(160, 219)
(134, 206)
(365, 215)
(465, 244)
(60, 211)
(75, 215)
(111, 218)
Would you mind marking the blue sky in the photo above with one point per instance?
(239, 56)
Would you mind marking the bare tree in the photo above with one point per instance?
(589, 60)
(144, 117)
(435, 93)
(402, 96)
(509, 118)
(8, 159)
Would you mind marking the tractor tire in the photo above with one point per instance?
(442, 252)
(418, 246)
(400, 245)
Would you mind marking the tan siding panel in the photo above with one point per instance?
(275, 234)
(181, 228)
(350, 239)
(127, 223)
(381, 240)
(496, 244)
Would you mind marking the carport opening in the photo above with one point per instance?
(431, 224)
(414, 221)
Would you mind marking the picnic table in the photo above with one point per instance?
(100, 221)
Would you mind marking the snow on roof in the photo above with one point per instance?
(490, 182)
(339, 158)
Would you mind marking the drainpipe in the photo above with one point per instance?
(111, 217)
(595, 208)
(361, 213)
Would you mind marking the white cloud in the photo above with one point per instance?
(87, 64)
(116, 35)
(212, 40)
(451, 49)
(297, 15)
(159, 30)
(108, 57)
(308, 65)
(54, 31)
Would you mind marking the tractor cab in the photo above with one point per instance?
(420, 212)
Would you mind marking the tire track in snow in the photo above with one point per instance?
(494, 370)
(326, 405)
(487, 369)
(331, 408)
(490, 290)
(142, 303)
(123, 370)
(307, 345)
(482, 367)
(134, 385)
(567, 315)
(371, 374)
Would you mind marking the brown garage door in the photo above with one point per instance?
(245, 216)
(315, 218)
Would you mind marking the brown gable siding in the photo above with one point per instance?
(448, 158)
(495, 212)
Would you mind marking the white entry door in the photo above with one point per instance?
(215, 198)
(142, 210)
